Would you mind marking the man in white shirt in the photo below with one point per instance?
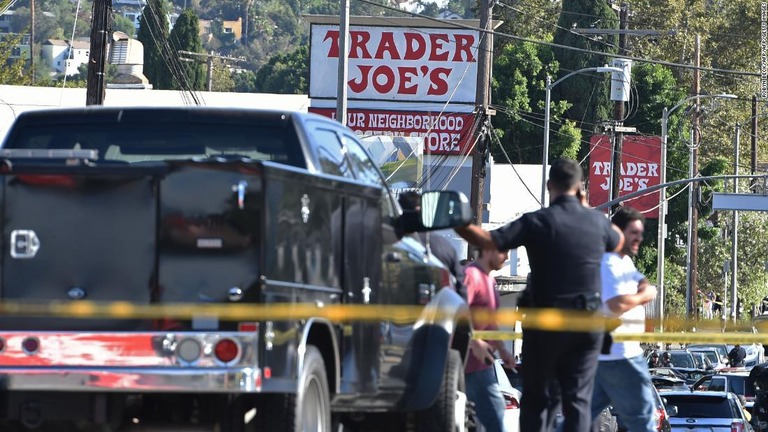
(622, 380)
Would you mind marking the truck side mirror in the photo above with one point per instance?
(444, 209)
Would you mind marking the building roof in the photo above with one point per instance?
(78, 44)
(56, 42)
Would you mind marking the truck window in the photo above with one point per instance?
(330, 153)
(134, 143)
(366, 171)
(717, 384)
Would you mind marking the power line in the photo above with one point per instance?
(564, 47)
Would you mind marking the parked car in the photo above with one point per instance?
(722, 350)
(735, 382)
(706, 411)
(679, 358)
(755, 354)
(702, 361)
(666, 383)
(712, 354)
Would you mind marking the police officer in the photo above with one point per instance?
(439, 246)
(565, 244)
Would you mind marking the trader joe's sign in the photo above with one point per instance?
(640, 169)
(396, 63)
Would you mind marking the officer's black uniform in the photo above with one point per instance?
(441, 248)
(565, 244)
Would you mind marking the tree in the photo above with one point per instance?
(153, 34)
(185, 36)
(589, 97)
(519, 74)
(12, 71)
(124, 25)
(285, 73)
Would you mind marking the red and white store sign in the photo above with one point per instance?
(446, 133)
(396, 63)
(640, 169)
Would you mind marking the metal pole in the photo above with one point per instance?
(734, 233)
(341, 84)
(688, 302)
(660, 245)
(545, 154)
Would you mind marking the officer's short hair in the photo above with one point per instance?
(626, 215)
(565, 174)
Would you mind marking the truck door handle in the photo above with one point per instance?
(394, 257)
(240, 188)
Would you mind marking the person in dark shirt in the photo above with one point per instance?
(736, 356)
(565, 244)
(437, 245)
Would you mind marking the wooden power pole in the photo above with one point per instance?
(618, 113)
(694, 277)
(482, 100)
(32, 40)
(97, 61)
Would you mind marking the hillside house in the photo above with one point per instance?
(65, 57)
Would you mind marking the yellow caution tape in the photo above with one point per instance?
(678, 330)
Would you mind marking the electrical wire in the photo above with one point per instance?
(71, 52)
(560, 46)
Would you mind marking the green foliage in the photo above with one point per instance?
(286, 73)
(588, 95)
(244, 82)
(185, 36)
(222, 78)
(12, 73)
(153, 34)
(124, 25)
(518, 92)
(567, 141)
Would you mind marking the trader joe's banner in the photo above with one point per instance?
(640, 169)
(396, 63)
(443, 133)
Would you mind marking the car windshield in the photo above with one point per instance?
(711, 355)
(681, 359)
(697, 406)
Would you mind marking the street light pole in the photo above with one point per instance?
(547, 99)
(662, 195)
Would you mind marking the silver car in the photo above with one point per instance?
(706, 411)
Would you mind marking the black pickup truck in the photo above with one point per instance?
(135, 207)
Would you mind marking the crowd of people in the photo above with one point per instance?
(580, 260)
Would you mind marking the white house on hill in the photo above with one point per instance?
(65, 57)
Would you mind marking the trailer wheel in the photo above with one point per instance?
(308, 410)
(441, 416)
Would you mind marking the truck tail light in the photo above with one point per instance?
(737, 426)
(510, 402)
(226, 350)
(660, 416)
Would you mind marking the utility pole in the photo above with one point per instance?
(482, 100)
(694, 220)
(341, 84)
(208, 58)
(735, 233)
(753, 153)
(618, 113)
(97, 61)
(32, 40)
